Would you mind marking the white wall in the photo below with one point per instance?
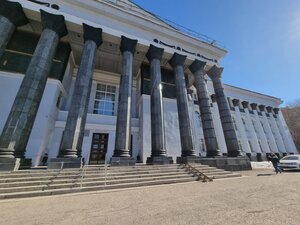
(46, 115)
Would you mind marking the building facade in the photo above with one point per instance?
(108, 81)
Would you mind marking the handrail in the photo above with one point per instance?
(82, 174)
(201, 176)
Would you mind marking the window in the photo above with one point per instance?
(105, 100)
(20, 49)
(167, 81)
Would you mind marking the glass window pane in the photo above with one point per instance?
(110, 97)
(101, 87)
(96, 105)
(109, 106)
(109, 113)
(105, 99)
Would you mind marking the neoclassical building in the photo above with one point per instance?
(104, 80)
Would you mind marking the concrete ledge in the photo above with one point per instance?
(63, 163)
(188, 159)
(122, 161)
(10, 164)
(228, 163)
(159, 160)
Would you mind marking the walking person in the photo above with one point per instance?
(275, 160)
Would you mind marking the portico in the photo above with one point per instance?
(122, 95)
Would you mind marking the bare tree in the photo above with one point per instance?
(291, 114)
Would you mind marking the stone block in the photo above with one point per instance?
(159, 160)
(11, 164)
(228, 163)
(122, 161)
(188, 159)
(64, 163)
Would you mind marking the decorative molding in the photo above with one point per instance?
(47, 4)
(184, 50)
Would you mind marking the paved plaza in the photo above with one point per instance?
(259, 197)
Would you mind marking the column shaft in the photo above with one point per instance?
(20, 121)
(249, 124)
(183, 114)
(157, 117)
(74, 131)
(272, 142)
(218, 125)
(241, 127)
(123, 129)
(158, 142)
(185, 128)
(275, 128)
(71, 145)
(197, 67)
(263, 139)
(7, 28)
(11, 16)
(18, 126)
(224, 111)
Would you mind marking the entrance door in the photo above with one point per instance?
(98, 148)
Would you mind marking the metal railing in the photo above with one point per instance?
(200, 176)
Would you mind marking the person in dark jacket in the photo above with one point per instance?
(275, 160)
(45, 159)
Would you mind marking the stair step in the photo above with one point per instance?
(29, 183)
(76, 183)
(86, 189)
(64, 176)
(25, 182)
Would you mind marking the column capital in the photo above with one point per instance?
(197, 65)
(128, 44)
(236, 102)
(14, 12)
(213, 98)
(269, 109)
(177, 60)
(262, 108)
(254, 106)
(215, 72)
(154, 53)
(276, 110)
(92, 33)
(245, 104)
(54, 22)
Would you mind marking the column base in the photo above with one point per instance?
(228, 163)
(68, 153)
(253, 158)
(11, 164)
(188, 159)
(214, 153)
(235, 153)
(159, 160)
(64, 163)
(122, 161)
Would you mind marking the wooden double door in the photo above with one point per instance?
(98, 148)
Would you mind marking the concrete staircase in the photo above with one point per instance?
(31, 183)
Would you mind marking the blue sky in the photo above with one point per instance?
(262, 38)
